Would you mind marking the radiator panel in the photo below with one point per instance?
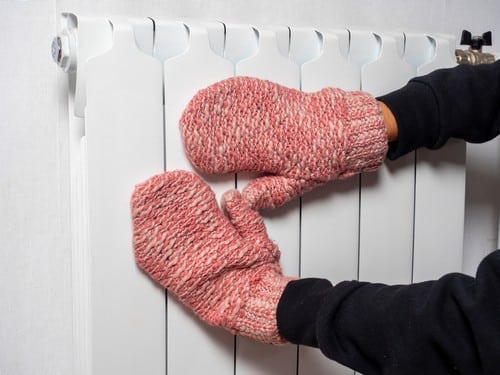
(440, 182)
(193, 347)
(267, 59)
(331, 212)
(123, 131)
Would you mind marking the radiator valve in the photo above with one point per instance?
(474, 55)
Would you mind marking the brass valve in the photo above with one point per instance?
(474, 55)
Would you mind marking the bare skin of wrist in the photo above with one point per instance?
(390, 122)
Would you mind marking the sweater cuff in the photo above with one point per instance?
(417, 114)
(297, 309)
(304, 313)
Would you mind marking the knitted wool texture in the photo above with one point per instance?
(228, 273)
(301, 139)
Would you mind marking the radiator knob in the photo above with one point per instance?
(475, 42)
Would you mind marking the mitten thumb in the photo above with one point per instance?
(272, 191)
(247, 221)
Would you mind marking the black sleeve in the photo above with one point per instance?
(448, 326)
(461, 102)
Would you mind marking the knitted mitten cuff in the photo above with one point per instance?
(366, 134)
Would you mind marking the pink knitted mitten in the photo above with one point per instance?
(229, 275)
(301, 139)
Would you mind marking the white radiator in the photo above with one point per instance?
(129, 82)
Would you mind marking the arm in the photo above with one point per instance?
(448, 326)
(461, 102)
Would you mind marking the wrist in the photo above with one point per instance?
(390, 122)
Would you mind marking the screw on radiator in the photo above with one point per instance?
(64, 50)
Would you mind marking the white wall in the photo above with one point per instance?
(35, 266)
(35, 274)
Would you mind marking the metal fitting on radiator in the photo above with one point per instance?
(64, 50)
(474, 55)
